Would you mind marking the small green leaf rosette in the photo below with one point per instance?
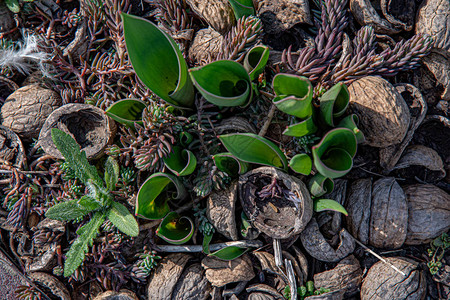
(320, 185)
(255, 149)
(333, 156)
(255, 61)
(334, 103)
(158, 61)
(242, 8)
(351, 122)
(181, 162)
(229, 164)
(175, 229)
(127, 111)
(154, 194)
(223, 83)
(301, 163)
(329, 204)
(293, 95)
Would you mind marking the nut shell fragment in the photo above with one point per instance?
(220, 272)
(384, 116)
(192, 285)
(433, 18)
(419, 155)
(217, 13)
(11, 147)
(206, 46)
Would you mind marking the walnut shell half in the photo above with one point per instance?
(217, 13)
(383, 113)
(433, 18)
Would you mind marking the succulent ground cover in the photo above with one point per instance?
(226, 149)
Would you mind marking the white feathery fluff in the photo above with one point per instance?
(25, 57)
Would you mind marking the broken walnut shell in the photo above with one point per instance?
(192, 284)
(383, 282)
(278, 218)
(365, 14)
(89, 125)
(384, 116)
(27, 108)
(428, 213)
(433, 18)
(11, 147)
(217, 13)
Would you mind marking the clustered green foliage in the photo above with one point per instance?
(305, 291)
(438, 248)
(99, 203)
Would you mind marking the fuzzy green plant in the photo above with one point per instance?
(98, 204)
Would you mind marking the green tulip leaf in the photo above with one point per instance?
(301, 163)
(320, 185)
(302, 128)
(255, 61)
(242, 8)
(158, 61)
(229, 253)
(293, 95)
(255, 149)
(351, 122)
(229, 164)
(328, 204)
(181, 162)
(223, 83)
(13, 5)
(175, 229)
(333, 156)
(334, 103)
(127, 111)
(153, 196)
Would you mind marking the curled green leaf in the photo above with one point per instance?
(351, 122)
(320, 185)
(223, 83)
(329, 204)
(229, 253)
(181, 162)
(255, 61)
(293, 95)
(302, 128)
(175, 229)
(154, 194)
(127, 111)
(301, 163)
(242, 8)
(229, 164)
(334, 103)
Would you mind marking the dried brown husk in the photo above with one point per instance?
(428, 213)
(383, 282)
(11, 147)
(166, 275)
(220, 210)
(120, 295)
(365, 14)
(45, 260)
(263, 292)
(346, 276)
(192, 284)
(359, 205)
(220, 272)
(283, 221)
(56, 287)
(318, 247)
(419, 155)
(217, 13)
(400, 13)
(439, 65)
(27, 108)
(88, 125)
(384, 116)
(281, 15)
(206, 46)
(433, 18)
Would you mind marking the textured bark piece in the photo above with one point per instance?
(11, 147)
(26, 110)
(383, 113)
(267, 262)
(318, 247)
(284, 222)
(192, 285)
(383, 282)
(166, 276)
(220, 272)
(56, 287)
(428, 213)
(347, 276)
(263, 292)
(10, 278)
(365, 14)
(439, 65)
(433, 18)
(359, 205)
(302, 260)
(419, 155)
(89, 125)
(46, 261)
(217, 13)
(389, 214)
(205, 47)
(120, 295)
(220, 211)
(333, 295)
(281, 15)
